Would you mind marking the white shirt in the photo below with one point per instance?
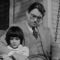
(20, 50)
(30, 29)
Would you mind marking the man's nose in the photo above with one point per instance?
(35, 19)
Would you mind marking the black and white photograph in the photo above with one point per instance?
(30, 30)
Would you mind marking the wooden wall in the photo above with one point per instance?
(54, 13)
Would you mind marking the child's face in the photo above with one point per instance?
(14, 42)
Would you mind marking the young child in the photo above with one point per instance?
(16, 50)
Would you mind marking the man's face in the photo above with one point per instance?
(34, 17)
(14, 42)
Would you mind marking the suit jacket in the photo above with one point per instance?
(34, 45)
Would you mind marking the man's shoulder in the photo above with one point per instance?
(45, 31)
(44, 28)
(21, 24)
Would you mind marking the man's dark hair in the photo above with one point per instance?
(37, 5)
(14, 31)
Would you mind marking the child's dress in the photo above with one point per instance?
(21, 53)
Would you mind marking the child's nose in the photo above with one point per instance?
(14, 40)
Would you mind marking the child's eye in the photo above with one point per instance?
(17, 38)
(11, 38)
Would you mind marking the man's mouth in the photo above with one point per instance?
(35, 24)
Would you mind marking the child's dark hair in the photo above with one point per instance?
(37, 5)
(14, 31)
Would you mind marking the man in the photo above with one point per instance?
(40, 42)
(37, 37)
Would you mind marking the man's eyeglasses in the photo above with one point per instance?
(33, 17)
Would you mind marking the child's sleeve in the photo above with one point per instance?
(26, 51)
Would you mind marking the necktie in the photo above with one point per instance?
(35, 33)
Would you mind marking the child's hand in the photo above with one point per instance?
(4, 55)
(19, 56)
(7, 58)
(11, 53)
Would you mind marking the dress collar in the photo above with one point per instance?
(20, 46)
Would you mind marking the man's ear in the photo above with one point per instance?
(28, 15)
